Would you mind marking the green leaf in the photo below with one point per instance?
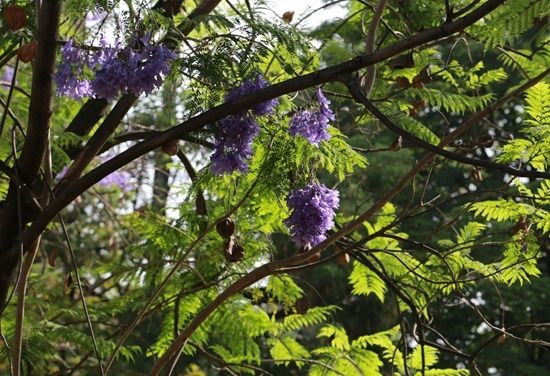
(365, 282)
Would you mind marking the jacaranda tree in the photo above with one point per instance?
(207, 187)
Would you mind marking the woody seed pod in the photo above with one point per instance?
(225, 227)
(15, 16)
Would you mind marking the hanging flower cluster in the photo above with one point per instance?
(313, 124)
(312, 213)
(115, 70)
(233, 146)
(251, 86)
(70, 77)
(121, 179)
(234, 134)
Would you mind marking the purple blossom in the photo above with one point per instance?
(250, 86)
(312, 213)
(312, 125)
(61, 173)
(7, 74)
(233, 144)
(114, 75)
(148, 67)
(122, 179)
(324, 105)
(70, 77)
(117, 70)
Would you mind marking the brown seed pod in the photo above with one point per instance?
(402, 82)
(287, 16)
(68, 284)
(237, 254)
(417, 82)
(225, 227)
(522, 225)
(419, 104)
(26, 52)
(476, 174)
(343, 258)
(302, 305)
(15, 16)
(52, 258)
(170, 148)
(424, 75)
(397, 144)
(233, 252)
(402, 61)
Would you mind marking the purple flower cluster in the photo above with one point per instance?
(117, 70)
(250, 86)
(70, 76)
(234, 134)
(313, 124)
(233, 145)
(121, 179)
(132, 71)
(312, 213)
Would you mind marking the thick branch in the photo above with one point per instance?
(41, 93)
(367, 83)
(34, 146)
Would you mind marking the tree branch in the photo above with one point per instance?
(367, 82)
(41, 92)
(358, 95)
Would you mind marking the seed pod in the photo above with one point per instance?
(302, 305)
(343, 258)
(402, 82)
(419, 104)
(26, 52)
(170, 148)
(402, 61)
(476, 174)
(417, 82)
(424, 75)
(233, 252)
(15, 16)
(68, 284)
(225, 227)
(52, 258)
(287, 16)
(521, 225)
(397, 144)
(237, 253)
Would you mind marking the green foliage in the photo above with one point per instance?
(458, 103)
(534, 149)
(510, 21)
(365, 281)
(445, 256)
